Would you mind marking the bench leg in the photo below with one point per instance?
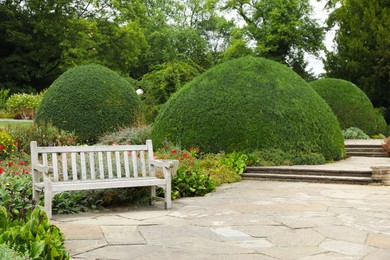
(36, 196)
(48, 203)
(168, 191)
(152, 195)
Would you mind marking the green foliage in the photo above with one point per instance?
(249, 104)
(89, 100)
(24, 227)
(189, 184)
(4, 94)
(351, 106)
(354, 133)
(70, 202)
(34, 234)
(165, 80)
(381, 124)
(23, 105)
(199, 173)
(276, 157)
(362, 47)
(123, 196)
(7, 145)
(129, 135)
(281, 30)
(7, 253)
(237, 161)
(45, 135)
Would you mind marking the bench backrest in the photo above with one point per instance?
(71, 163)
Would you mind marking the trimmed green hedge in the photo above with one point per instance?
(89, 100)
(250, 104)
(350, 104)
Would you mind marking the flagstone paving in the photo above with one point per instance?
(246, 220)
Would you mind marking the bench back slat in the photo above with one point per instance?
(142, 157)
(55, 166)
(83, 166)
(118, 165)
(92, 165)
(72, 163)
(64, 166)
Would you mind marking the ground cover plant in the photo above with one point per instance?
(351, 105)
(250, 104)
(89, 100)
(24, 227)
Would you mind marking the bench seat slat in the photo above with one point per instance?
(77, 149)
(106, 184)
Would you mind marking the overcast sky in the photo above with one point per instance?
(320, 14)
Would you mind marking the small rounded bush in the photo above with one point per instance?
(350, 104)
(249, 104)
(89, 100)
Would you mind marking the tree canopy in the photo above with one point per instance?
(363, 47)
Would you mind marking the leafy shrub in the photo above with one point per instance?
(381, 124)
(89, 100)
(23, 226)
(249, 104)
(129, 135)
(23, 105)
(350, 104)
(354, 133)
(7, 145)
(189, 184)
(4, 93)
(199, 173)
(7, 253)
(45, 135)
(275, 157)
(163, 81)
(34, 235)
(237, 161)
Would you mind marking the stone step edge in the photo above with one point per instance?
(287, 168)
(315, 177)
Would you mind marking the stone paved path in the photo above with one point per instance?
(246, 220)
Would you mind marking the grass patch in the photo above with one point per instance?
(15, 124)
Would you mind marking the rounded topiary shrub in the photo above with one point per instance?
(349, 103)
(250, 104)
(89, 100)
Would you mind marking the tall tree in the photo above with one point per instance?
(281, 30)
(362, 53)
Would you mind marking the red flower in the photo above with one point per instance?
(1, 170)
(10, 163)
(1, 147)
(21, 163)
(185, 155)
(191, 148)
(173, 151)
(26, 172)
(181, 159)
(197, 149)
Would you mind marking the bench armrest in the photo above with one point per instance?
(41, 168)
(160, 163)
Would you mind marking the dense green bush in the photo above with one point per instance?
(250, 104)
(350, 104)
(381, 124)
(89, 100)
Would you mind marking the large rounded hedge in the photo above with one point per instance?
(89, 100)
(350, 104)
(249, 104)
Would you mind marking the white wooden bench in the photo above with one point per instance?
(68, 168)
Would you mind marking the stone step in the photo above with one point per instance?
(365, 149)
(300, 171)
(308, 178)
(367, 154)
(309, 175)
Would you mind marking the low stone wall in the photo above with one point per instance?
(381, 173)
